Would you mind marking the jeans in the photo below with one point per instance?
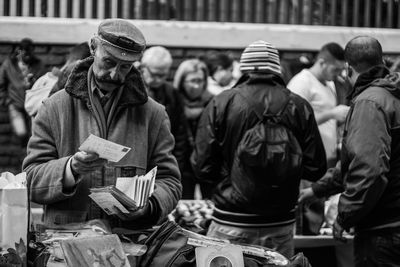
(377, 248)
(279, 238)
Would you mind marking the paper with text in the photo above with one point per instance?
(105, 149)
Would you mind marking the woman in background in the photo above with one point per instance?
(191, 82)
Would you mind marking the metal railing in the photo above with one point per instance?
(357, 13)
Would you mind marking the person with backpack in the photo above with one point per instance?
(254, 143)
(370, 158)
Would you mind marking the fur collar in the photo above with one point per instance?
(134, 91)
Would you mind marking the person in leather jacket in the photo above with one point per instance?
(246, 218)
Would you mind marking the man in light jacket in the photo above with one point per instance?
(105, 96)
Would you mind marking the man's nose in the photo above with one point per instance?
(196, 85)
(156, 78)
(114, 72)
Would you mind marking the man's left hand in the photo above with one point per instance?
(133, 215)
(337, 231)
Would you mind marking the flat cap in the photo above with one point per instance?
(121, 38)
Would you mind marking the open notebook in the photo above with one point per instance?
(129, 193)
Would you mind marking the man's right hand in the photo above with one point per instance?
(86, 162)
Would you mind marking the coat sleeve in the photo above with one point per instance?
(367, 149)
(168, 187)
(45, 171)
(206, 158)
(314, 158)
(330, 184)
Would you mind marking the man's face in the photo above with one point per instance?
(25, 55)
(332, 68)
(110, 72)
(154, 76)
(194, 84)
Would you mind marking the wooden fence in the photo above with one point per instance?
(353, 13)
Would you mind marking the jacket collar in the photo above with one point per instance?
(260, 77)
(134, 90)
(366, 79)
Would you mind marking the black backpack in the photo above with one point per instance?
(268, 156)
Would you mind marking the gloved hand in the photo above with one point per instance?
(136, 214)
(86, 162)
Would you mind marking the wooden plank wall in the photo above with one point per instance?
(353, 13)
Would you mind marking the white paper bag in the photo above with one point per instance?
(13, 216)
(13, 212)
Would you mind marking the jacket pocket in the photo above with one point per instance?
(128, 170)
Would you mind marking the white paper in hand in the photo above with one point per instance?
(127, 185)
(105, 149)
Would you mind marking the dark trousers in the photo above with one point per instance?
(377, 248)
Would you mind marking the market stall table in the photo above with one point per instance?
(310, 241)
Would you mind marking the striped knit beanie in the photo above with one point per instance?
(260, 56)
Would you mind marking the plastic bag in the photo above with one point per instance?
(13, 218)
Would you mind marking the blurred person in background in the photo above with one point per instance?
(17, 75)
(316, 85)
(54, 80)
(191, 82)
(395, 66)
(220, 68)
(155, 67)
(77, 53)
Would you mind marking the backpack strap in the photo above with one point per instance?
(265, 114)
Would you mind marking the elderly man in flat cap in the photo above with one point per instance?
(105, 96)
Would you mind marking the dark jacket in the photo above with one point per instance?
(193, 108)
(224, 122)
(67, 118)
(169, 97)
(371, 153)
(12, 84)
(330, 184)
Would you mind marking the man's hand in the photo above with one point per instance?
(337, 232)
(340, 113)
(86, 162)
(306, 194)
(134, 214)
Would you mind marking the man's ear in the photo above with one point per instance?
(321, 61)
(93, 45)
